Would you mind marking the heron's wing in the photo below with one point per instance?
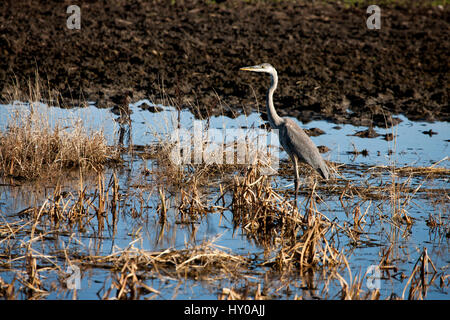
(297, 142)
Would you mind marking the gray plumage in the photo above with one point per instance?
(294, 140)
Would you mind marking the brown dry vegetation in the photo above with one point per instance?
(300, 240)
(35, 146)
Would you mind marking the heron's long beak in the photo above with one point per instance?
(251, 68)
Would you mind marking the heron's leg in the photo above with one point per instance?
(296, 179)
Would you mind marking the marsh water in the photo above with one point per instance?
(148, 123)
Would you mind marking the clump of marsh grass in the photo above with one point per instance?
(31, 147)
(199, 262)
(64, 210)
(311, 249)
(36, 144)
(270, 218)
(264, 214)
(401, 192)
(206, 261)
(192, 203)
(130, 284)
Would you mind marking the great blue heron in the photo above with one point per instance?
(294, 140)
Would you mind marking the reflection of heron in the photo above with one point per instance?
(122, 109)
(294, 140)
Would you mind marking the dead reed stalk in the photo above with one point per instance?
(418, 280)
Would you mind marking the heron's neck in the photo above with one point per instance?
(274, 119)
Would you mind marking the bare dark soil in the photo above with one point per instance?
(330, 65)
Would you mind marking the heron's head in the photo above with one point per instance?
(263, 67)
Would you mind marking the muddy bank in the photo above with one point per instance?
(330, 65)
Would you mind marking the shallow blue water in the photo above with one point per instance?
(411, 148)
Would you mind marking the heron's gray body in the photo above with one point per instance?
(294, 140)
(298, 144)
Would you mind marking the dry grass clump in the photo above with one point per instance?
(205, 262)
(130, 284)
(37, 145)
(260, 211)
(193, 204)
(429, 172)
(311, 249)
(31, 147)
(401, 194)
(269, 218)
(197, 262)
(93, 206)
